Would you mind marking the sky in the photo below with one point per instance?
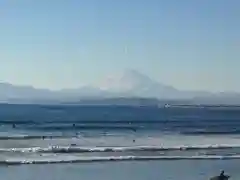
(189, 44)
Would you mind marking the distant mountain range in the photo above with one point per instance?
(128, 85)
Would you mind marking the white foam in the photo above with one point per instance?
(77, 149)
(112, 158)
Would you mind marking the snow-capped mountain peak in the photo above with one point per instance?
(134, 83)
(126, 81)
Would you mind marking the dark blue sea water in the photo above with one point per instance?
(72, 138)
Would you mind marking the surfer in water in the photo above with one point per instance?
(222, 176)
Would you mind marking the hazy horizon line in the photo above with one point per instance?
(98, 88)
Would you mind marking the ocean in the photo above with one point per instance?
(118, 142)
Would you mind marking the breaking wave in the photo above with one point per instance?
(114, 158)
(77, 149)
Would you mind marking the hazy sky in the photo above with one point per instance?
(190, 44)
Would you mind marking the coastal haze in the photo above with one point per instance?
(133, 90)
(127, 86)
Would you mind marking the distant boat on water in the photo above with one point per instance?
(167, 106)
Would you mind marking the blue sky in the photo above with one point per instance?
(190, 44)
